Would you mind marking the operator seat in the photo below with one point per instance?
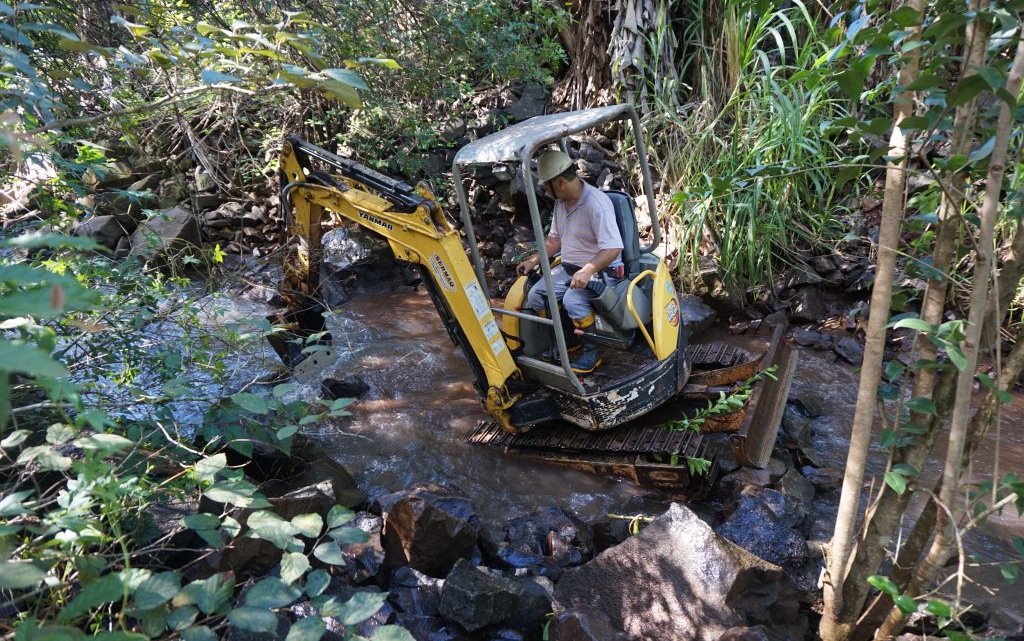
(625, 218)
(614, 309)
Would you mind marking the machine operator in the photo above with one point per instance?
(583, 228)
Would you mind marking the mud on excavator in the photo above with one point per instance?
(610, 421)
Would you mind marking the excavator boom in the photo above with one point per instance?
(412, 223)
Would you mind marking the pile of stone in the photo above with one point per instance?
(140, 208)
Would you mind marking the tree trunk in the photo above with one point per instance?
(884, 519)
(943, 546)
(837, 623)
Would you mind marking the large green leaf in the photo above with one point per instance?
(309, 524)
(107, 589)
(157, 590)
(198, 633)
(316, 583)
(253, 619)
(271, 592)
(207, 468)
(18, 575)
(293, 566)
(391, 633)
(208, 595)
(307, 629)
(361, 606)
(24, 359)
(271, 527)
(329, 553)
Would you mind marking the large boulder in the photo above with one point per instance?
(759, 525)
(476, 599)
(549, 533)
(106, 230)
(428, 527)
(167, 235)
(677, 579)
(695, 314)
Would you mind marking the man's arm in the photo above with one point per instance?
(600, 260)
(553, 244)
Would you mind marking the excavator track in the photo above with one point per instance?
(650, 454)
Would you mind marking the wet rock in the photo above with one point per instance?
(823, 478)
(551, 532)
(756, 527)
(799, 493)
(807, 305)
(677, 579)
(780, 461)
(163, 522)
(364, 561)
(415, 593)
(531, 102)
(796, 427)
(428, 527)
(733, 483)
(475, 599)
(315, 466)
(850, 350)
(809, 403)
(584, 624)
(166, 236)
(106, 230)
(756, 633)
(806, 338)
(351, 386)
(696, 316)
(823, 264)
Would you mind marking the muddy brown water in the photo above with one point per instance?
(411, 427)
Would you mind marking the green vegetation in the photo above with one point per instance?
(122, 388)
(129, 390)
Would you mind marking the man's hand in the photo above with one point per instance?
(582, 277)
(527, 266)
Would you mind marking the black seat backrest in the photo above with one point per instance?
(626, 220)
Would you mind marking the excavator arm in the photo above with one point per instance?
(417, 231)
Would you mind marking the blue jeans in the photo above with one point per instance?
(576, 302)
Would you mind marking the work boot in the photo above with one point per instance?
(590, 358)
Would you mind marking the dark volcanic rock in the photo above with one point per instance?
(799, 493)
(350, 386)
(551, 532)
(757, 527)
(678, 580)
(475, 599)
(584, 625)
(695, 314)
(428, 527)
(756, 633)
(106, 230)
(850, 350)
(166, 235)
(808, 305)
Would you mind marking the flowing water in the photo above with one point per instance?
(411, 425)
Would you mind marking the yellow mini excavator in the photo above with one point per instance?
(648, 362)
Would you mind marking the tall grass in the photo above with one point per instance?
(746, 156)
